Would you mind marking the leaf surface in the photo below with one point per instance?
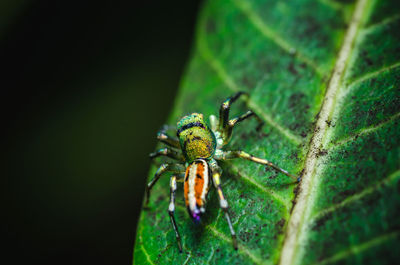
(324, 76)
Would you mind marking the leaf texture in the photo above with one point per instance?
(324, 76)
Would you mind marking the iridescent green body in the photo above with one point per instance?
(195, 137)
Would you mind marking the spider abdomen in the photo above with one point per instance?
(195, 137)
(197, 181)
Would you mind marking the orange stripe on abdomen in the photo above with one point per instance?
(196, 185)
(199, 183)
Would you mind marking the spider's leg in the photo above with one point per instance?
(229, 127)
(213, 123)
(225, 108)
(163, 137)
(168, 167)
(223, 203)
(241, 154)
(169, 152)
(225, 125)
(171, 211)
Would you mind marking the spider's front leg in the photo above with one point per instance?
(225, 126)
(173, 151)
(169, 152)
(163, 137)
(241, 154)
(167, 167)
(216, 174)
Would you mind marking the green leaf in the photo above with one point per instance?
(324, 76)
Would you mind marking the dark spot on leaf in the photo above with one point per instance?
(245, 236)
(312, 26)
(152, 218)
(371, 200)
(273, 176)
(296, 192)
(292, 69)
(294, 156)
(298, 106)
(321, 221)
(161, 198)
(280, 225)
(322, 152)
(342, 195)
(295, 99)
(248, 82)
(328, 122)
(262, 134)
(233, 215)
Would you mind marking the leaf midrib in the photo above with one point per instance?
(305, 198)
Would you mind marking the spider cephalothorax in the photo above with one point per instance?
(195, 137)
(197, 150)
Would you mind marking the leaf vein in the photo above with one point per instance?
(370, 76)
(363, 131)
(382, 23)
(187, 258)
(356, 197)
(263, 189)
(242, 249)
(270, 34)
(144, 249)
(353, 250)
(296, 228)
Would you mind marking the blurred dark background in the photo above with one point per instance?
(85, 87)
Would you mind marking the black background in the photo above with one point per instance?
(85, 87)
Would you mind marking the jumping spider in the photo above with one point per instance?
(197, 149)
